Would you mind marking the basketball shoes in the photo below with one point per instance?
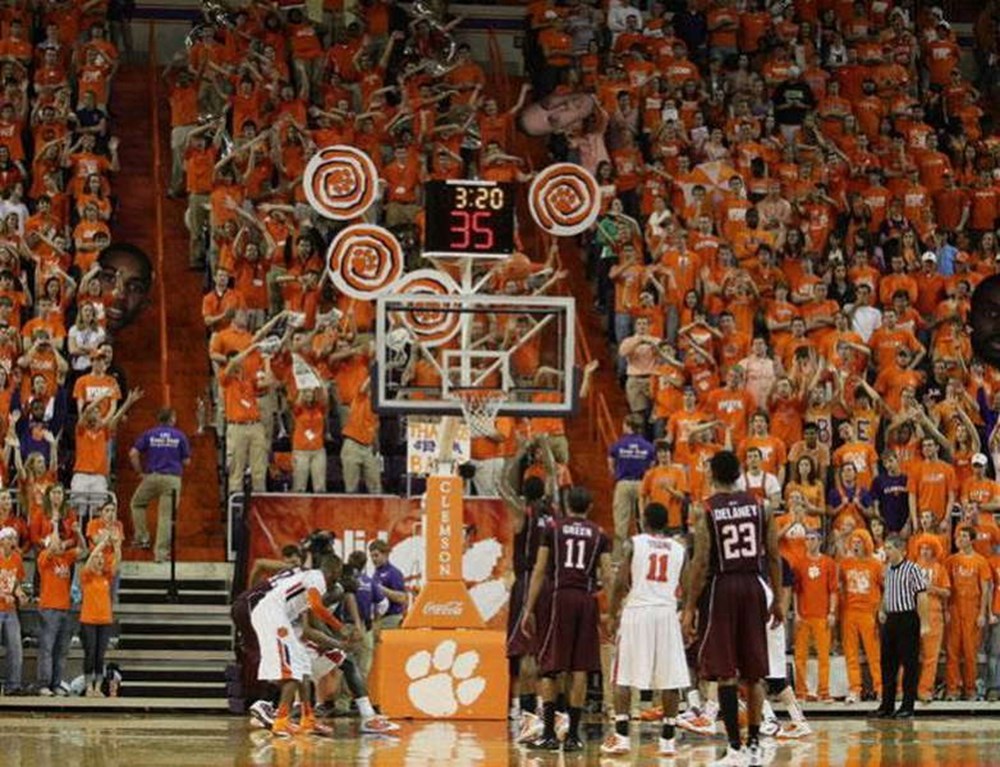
(615, 745)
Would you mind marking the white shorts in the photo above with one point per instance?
(649, 652)
(282, 655)
(320, 663)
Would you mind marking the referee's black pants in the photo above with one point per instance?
(900, 646)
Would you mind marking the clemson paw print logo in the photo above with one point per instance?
(443, 681)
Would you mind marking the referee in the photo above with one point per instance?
(903, 616)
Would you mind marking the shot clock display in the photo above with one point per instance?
(469, 218)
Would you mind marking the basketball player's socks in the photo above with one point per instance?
(694, 699)
(787, 696)
(282, 712)
(307, 710)
(753, 734)
(730, 707)
(364, 707)
(667, 733)
(575, 712)
(529, 704)
(767, 711)
(621, 725)
(711, 707)
(549, 719)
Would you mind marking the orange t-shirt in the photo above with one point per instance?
(56, 575)
(239, 394)
(969, 575)
(815, 582)
(862, 455)
(932, 482)
(362, 422)
(310, 426)
(91, 450)
(11, 574)
(861, 583)
(656, 485)
(96, 608)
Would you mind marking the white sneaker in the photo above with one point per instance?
(733, 758)
(531, 728)
(667, 747)
(615, 744)
(769, 728)
(754, 755)
(795, 731)
(378, 725)
(262, 714)
(850, 699)
(699, 725)
(562, 724)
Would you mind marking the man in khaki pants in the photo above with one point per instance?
(165, 451)
(246, 438)
(628, 460)
(359, 457)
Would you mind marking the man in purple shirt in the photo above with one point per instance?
(371, 602)
(628, 460)
(390, 580)
(165, 451)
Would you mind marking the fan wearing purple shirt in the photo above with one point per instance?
(391, 582)
(371, 604)
(628, 459)
(888, 494)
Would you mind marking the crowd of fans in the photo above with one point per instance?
(62, 298)
(799, 204)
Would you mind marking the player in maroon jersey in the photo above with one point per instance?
(573, 552)
(735, 546)
(530, 515)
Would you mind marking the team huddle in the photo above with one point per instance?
(730, 632)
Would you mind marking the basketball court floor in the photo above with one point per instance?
(105, 740)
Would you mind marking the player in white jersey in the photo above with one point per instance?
(649, 652)
(777, 680)
(284, 659)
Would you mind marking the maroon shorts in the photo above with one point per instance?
(691, 650)
(518, 644)
(571, 641)
(735, 641)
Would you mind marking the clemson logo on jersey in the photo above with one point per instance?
(442, 681)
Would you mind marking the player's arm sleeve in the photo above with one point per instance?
(320, 610)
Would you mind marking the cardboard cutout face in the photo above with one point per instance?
(985, 319)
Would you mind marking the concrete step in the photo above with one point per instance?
(129, 597)
(193, 628)
(168, 644)
(217, 704)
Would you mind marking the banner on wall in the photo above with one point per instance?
(274, 521)
(423, 444)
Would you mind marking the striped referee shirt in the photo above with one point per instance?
(902, 584)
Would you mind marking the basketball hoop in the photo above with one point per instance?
(480, 408)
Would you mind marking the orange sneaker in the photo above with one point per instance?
(309, 726)
(282, 728)
(653, 714)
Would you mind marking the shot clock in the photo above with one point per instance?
(469, 218)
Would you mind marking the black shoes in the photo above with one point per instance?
(571, 744)
(903, 713)
(545, 744)
(881, 713)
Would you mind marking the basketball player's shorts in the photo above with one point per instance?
(519, 645)
(691, 650)
(776, 644)
(571, 641)
(735, 641)
(649, 650)
(282, 654)
(323, 662)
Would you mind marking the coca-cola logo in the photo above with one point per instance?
(443, 608)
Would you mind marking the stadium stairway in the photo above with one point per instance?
(172, 650)
(164, 351)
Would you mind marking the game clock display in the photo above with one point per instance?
(469, 218)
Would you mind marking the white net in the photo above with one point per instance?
(480, 408)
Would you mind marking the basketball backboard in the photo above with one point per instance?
(430, 348)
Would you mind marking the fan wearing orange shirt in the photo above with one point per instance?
(931, 484)
(732, 404)
(308, 451)
(861, 454)
(96, 618)
(929, 555)
(984, 529)
(969, 612)
(861, 593)
(359, 456)
(773, 451)
(815, 613)
(94, 431)
(979, 488)
(55, 571)
(665, 483)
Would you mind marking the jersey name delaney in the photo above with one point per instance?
(739, 512)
